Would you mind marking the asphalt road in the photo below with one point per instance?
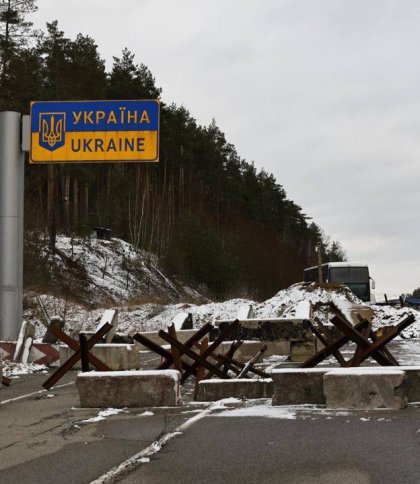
(316, 447)
(43, 438)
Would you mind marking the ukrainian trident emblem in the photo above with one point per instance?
(52, 130)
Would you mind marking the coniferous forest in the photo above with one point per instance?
(214, 219)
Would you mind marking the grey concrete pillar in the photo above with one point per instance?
(11, 224)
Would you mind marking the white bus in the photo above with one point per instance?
(354, 276)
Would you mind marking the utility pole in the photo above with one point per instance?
(12, 166)
(318, 249)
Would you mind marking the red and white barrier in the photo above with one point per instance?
(40, 353)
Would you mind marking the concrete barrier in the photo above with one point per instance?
(364, 388)
(364, 312)
(413, 381)
(212, 390)
(245, 312)
(183, 321)
(39, 353)
(115, 356)
(282, 336)
(300, 351)
(119, 389)
(270, 329)
(110, 316)
(249, 348)
(246, 351)
(298, 386)
(302, 377)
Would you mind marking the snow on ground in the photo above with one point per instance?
(260, 411)
(144, 317)
(389, 316)
(102, 415)
(285, 303)
(13, 369)
(288, 303)
(201, 314)
(113, 270)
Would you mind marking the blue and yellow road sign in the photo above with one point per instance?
(94, 131)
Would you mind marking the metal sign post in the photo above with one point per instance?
(12, 168)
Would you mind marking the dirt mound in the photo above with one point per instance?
(108, 272)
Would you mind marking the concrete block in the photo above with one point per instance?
(363, 311)
(351, 311)
(183, 321)
(110, 316)
(56, 322)
(413, 382)
(27, 330)
(119, 389)
(302, 310)
(115, 356)
(212, 390)
(249, 348)
(245, 312)
(302, 350)
(366, 388)
(270, 329)
(413, 379)
(298, 386)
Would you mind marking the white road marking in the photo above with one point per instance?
(140, 458)
(39, 392)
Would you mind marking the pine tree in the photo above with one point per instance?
(130, 81)
(55, 51)
(87, 70)
(24, 81)
(335, 252)
(14, 29)
(15, 32)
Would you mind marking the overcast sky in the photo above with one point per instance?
(325, 94)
